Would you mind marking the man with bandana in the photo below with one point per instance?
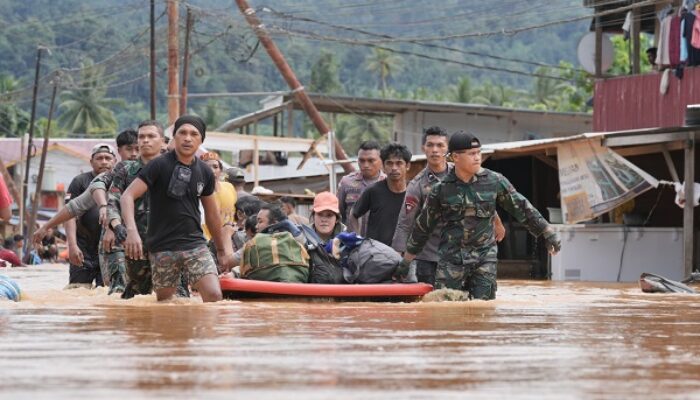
(465, 203)
(176, 183)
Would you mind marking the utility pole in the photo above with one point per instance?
(39, 181)
(293, 83)
(173, 44)
(30, 145)
(186, 62)
(153, 59)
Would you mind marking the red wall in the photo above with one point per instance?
(633, 102)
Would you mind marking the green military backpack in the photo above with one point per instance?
(275, 257)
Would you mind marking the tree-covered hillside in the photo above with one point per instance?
(510, 53)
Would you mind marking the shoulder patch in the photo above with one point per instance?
(411, 203)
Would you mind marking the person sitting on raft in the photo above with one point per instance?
(325, 217)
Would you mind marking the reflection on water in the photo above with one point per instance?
(537, 340)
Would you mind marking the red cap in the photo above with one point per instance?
(326, 201)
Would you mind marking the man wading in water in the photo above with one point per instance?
(176, 182)
(465, 202)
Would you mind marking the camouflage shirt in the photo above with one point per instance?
(468, 210)
(350, 188)
(123, 174)
(417, 191)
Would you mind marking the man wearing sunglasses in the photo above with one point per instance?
(176, 182)
(465, 202)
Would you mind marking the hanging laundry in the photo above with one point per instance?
(683, 42)
(627, 25)
(693, 53)
(695, 38)
(680, 194)
(674, 41)
(662, 56)
(661, 15)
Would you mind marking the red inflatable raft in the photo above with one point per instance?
(244, 288)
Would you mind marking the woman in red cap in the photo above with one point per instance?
(325, 216)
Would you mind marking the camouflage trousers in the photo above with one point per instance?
(478, 278)
(139, 281)
(170, 267)
(113, 269)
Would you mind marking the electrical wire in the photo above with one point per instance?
(312, 36)
(429, 45)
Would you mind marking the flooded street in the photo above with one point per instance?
(537, 340)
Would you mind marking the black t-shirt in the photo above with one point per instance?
(88, 225)
(174, 224)
(384, 207)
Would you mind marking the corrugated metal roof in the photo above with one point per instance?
(10, 148)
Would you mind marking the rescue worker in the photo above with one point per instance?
(178, 182)
(352, 185)
(465, 202)
(434, 145)
(138, 270)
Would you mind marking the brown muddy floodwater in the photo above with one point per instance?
(538, 340)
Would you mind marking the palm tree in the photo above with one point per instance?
(85, 109)
(463, 92)
(547, 92)
(352, 130)
(13, 120)
(385, 64)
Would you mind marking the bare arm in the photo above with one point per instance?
(100, 198)
(62, 216)
(133, 245)
(75, 255)
(224, 247)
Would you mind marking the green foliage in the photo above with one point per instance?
(352, 130)
(324, 74)
(210, 113)
(384, 64)
(622, 48)
(85, 109)
(78, 30)
(14, 121)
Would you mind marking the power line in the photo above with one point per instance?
(429, 45)
(312, 36)
(513, 31)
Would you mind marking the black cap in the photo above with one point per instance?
(463, 141)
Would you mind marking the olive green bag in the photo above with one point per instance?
(275, 257)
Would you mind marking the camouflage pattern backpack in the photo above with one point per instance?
(275, 257)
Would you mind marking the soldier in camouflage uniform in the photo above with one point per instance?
(138, 271)
(465, 202)
(434, 143)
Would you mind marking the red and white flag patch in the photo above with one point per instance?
(411, 203)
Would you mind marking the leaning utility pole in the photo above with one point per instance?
(173, 82)
(30, 145)
(293, 83)
(153, 59)
(186, 62)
